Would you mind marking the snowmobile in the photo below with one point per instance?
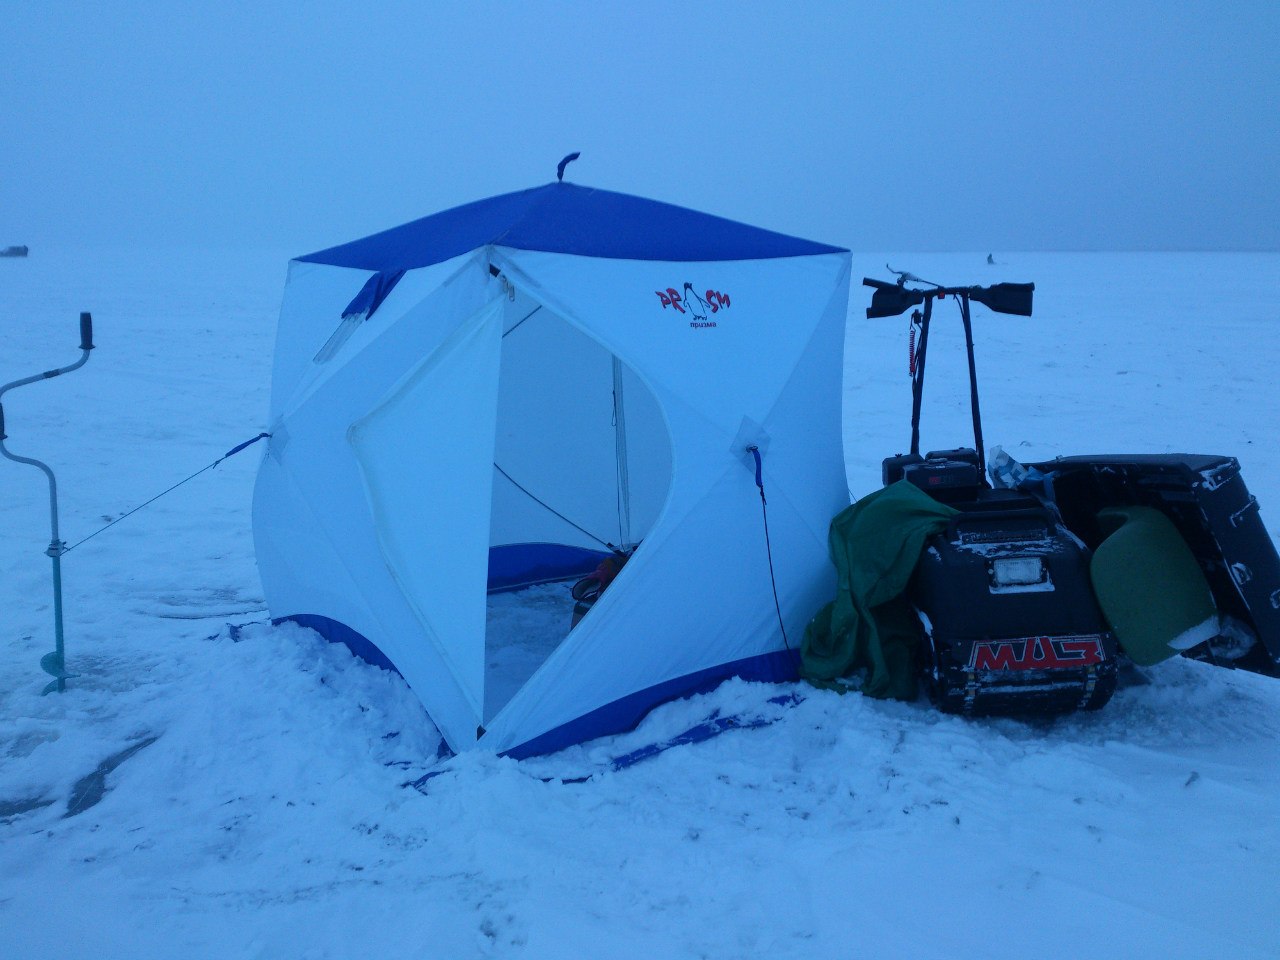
(1045, 577)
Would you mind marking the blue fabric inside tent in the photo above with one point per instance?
(516, 565)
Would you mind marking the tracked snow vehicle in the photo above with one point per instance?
(1016, 615)
(1009, 623)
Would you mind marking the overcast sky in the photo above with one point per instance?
(983, 126)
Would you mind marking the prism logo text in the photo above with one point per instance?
(699, 307)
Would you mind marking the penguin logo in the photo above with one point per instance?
(693, 301)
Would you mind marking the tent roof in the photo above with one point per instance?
(567, 218)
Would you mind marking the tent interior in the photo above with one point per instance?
(581, 467)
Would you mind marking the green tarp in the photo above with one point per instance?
(1149, 585)
(869, 627)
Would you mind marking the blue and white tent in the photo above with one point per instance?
(498, 395)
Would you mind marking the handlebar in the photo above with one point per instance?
(891, 299)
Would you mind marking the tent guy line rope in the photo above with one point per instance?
(516, 326)
(768, 547)
(230, 453)
(547, 506)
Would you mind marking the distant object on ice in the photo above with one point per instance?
(13, 252)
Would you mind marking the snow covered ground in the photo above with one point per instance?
(267, 819)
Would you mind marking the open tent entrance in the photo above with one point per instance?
(581, 467)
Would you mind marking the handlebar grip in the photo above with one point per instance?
(890, 299)
(86, 331)
(1013, 298)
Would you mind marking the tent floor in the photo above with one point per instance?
(523, 628)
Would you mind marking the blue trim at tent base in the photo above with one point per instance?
(625, 714)
(712, 726)
(620, 716)
(336, 632)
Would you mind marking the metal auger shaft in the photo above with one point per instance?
(53, 663)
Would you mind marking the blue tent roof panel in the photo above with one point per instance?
(567, 218)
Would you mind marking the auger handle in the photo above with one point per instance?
(86, 331)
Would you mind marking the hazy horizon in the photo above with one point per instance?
(1099, 127)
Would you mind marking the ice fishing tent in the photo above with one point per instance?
(496, 396)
